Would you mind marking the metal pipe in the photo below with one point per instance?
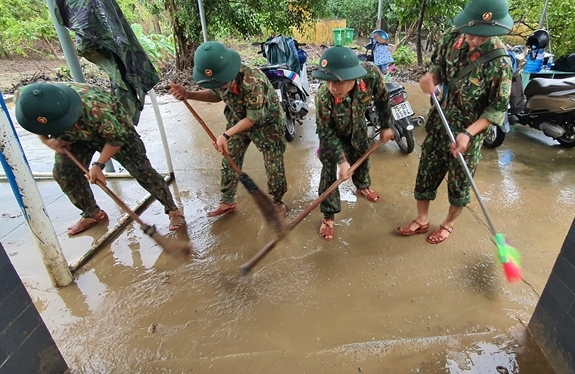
(67, 46)
(108, 236)
(28, 197)
(203, 20)
(49, 175)
(379, 7)
(544, 14)
(162, 131)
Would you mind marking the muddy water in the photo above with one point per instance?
(368, 301)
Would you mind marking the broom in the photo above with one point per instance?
(262, 200)
(173, 247)
(248, 266)
(506, 254)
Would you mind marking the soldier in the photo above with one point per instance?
(341, 103)
(88, 119)
(253, 113)
(474, 100)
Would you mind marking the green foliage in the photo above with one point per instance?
(361, 15)
(23, 22)
(404, 56)
(159, 48)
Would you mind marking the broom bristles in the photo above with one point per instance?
(177, 248)
(508, 256)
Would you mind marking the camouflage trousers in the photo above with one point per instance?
(329, 174)
(132, 156)
(437, 160)
(273, 163)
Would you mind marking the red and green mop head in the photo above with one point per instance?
(509, 258)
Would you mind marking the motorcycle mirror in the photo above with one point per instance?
(256, 44)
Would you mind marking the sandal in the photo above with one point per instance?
(436, 237)
(326, 230)
(177, 220)
(86, 222)
(408, 231)
(280, 208)
(222, 209)
(368, 194)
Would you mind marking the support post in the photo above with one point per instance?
(28, 196)
(162, 131)
(378, 26)
(203, 20)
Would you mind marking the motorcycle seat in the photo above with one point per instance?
(393, 88)
(273, 67)
(545, 86)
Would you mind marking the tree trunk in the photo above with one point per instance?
(419, 25)
(185, 48)
(156, 23)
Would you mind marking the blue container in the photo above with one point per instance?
(534, 60)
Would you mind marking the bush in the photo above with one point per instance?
(404, 56)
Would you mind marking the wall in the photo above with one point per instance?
(320, 32)
(26, 346)
(553, 321)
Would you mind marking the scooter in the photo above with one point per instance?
(287, 71)
(403, 123)
(545, 104)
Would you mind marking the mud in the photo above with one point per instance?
(369, 301)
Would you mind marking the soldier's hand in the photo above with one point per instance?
(427, 84)
(344, 172)
(461, 144)
(57, 144)
(96, 173)
(387, 135)
(221, 144)
(178, 91)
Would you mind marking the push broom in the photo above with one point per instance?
(506, 254)
(271, 215)
(176, 248)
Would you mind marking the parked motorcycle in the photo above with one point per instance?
(545, 104)
(286, 69)
(403, 123)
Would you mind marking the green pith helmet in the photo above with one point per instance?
(215, 65)
(484, 18)
(339, 63)
(48, 109)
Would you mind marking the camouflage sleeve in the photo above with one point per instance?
(329, 142)
(498, 72)
(254, 99)
(114, 123)
(380, 95)
(438, 63)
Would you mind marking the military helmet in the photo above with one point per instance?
(339, 64)
(484, 18)
(215, 65)
(48, 109)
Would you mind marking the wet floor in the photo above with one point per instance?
(369, 301)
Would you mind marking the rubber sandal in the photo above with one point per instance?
(368, 194)
(280, 208)
(436, 237)
(408, 231)
(222, 209)
(86, 222)
(326, 231)
(177, 220)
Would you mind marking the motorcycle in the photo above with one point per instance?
(404, 122)
(545, 104)
(287, 71)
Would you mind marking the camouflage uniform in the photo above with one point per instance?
(342, 131)
(105, 121)
(252, 95)
(483, 93)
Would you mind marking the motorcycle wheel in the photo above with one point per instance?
(290, 129)
(567, 142)
(405, 142)
(495, 137)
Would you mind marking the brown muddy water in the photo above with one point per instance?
(369, 301)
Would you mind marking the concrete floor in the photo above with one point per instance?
(369, 301)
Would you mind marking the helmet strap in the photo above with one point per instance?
(329, 72)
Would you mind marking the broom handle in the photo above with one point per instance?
(105, 188)
(271, 245)
(463, 164)
(211, 134)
